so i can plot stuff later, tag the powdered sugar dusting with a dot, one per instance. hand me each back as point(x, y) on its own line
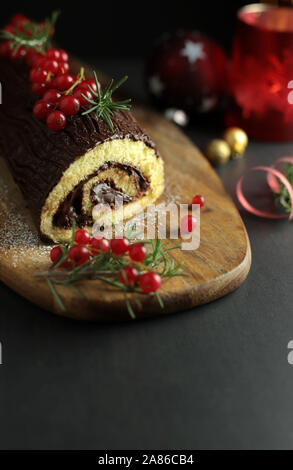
point(18, 235)
point(172, 193)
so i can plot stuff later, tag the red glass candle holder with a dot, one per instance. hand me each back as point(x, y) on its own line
point(262, 73)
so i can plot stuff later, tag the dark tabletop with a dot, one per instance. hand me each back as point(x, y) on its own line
point(216, 377)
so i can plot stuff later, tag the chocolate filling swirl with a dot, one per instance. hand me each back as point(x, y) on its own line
point(104, 191)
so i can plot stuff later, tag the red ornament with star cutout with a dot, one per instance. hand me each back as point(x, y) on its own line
point(187, 70)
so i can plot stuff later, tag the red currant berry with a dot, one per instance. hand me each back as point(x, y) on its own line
point(63, 82)
point(52, 96)
point(39, 89)
point(63, 67)
point(42, 109)
point(89, 82)
point(51, 65)
point(128, 275)
point(69, 105)
point(56, 121)
point(188, 223)
point(198, 199)
point(40, 62)
point(55, 253)
point(63, 56)
point(137, 252)
point(99, 244)
point(53, 54)
point(38, 75)
point(119, 246)
point(10, 28)
point(19, 18)
point(82, 237)
point(50, 82)
point(31, 57)
point(79, 254)
point(78, 92)
point(19, 54)
point(5, 49)
point(150, 282)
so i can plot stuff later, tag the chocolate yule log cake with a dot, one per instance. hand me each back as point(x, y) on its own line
point(68, 145)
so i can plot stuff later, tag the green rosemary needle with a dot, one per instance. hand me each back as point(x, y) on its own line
point(103, 104)
point(282, 198)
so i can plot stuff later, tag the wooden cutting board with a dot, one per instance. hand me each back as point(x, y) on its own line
point(217, 267)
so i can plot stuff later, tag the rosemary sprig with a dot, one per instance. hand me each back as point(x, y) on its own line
point(282, 198)
point(103, 104)
point(30, 34)
point(105, 267)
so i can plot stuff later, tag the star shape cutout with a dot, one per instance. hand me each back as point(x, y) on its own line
point(156, 85)
point(193, 51)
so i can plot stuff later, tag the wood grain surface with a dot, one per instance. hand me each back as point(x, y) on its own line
point(217, 267)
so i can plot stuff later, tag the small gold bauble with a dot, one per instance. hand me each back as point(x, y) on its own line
point(237, 140)
point(218, 151)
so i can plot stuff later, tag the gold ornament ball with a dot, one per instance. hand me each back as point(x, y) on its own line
point(237, 140)
point(218, 151)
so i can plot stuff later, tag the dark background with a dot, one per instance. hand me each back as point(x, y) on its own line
point(216, 377)
point(127, 29)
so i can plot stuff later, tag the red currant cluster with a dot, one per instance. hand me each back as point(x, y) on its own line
point(60, 92)
point(19, 24)
point(56, 103)
point(80, 252)
point(85, 247)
